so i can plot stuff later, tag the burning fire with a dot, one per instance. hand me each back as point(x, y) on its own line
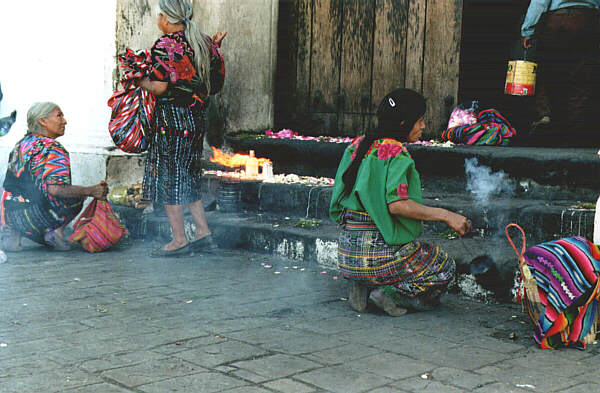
point(233, 161)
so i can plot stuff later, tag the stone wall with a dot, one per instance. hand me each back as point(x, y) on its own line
point(249, 50)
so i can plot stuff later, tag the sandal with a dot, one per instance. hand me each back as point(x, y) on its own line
point(359, 295)
point(53, 241)
point(385, 303)
point(183, 251)
point(204, 244)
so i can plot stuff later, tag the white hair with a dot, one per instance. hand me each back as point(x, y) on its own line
point(180, 12)
point(37, 111)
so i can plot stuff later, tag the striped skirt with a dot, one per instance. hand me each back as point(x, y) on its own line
point(413, 269)
point(173, 169)
point(34, 220)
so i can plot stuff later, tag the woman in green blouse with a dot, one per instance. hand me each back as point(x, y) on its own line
point(377, 200)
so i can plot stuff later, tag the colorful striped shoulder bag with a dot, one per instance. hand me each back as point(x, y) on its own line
point(98, 228)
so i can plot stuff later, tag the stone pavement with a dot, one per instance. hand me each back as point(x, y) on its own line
point(122, 322)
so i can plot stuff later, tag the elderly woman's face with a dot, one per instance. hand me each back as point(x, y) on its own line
point(417, 130)
point(53, 126)
point(162, 23)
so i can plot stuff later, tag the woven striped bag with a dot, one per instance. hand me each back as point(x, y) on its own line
point(98, 228)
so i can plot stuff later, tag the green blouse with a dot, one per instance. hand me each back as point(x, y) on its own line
point(386, 174)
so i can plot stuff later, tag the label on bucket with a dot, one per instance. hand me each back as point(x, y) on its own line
point(520, 78)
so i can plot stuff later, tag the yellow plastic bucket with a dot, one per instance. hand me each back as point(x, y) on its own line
point(520, 78)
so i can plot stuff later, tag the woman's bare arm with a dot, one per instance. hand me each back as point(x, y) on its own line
point(98, 191)
point(411, 209)
point(155, 87)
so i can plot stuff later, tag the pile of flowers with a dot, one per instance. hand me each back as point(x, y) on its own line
point(308, 180)
point(279, 179)
point(289, 134)
point(434, 143)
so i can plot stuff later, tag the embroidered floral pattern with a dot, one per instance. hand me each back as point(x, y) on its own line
point(403, 191)
point(183, 69)
point(173, 62)
point(170, 46)
point(386, 151)
point(354, 145)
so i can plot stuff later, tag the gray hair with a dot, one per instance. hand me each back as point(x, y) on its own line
point(37, 111)
point(180, 12)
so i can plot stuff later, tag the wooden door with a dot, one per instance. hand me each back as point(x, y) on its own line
point(342, 56)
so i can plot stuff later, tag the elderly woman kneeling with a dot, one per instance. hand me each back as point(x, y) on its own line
point(38, 200)
point(377, 199)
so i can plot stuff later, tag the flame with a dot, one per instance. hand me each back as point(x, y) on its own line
point(233, 161)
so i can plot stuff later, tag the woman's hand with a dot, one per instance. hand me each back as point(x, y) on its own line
point(154, 87)
point(99, 191)
point(218, 37)
point(457, 222)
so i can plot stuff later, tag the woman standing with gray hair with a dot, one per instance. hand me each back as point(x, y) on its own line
point(187, 68)
point(37, 199)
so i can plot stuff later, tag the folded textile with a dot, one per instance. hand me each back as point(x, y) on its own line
point(132, 107)
point(566, 272)
point(491, 129)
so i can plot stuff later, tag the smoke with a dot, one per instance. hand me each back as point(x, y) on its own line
point(484, 183)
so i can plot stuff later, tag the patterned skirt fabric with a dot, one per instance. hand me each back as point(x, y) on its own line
point(34, 220)
point(566, 272)
point(173, 168)
point(414, 269)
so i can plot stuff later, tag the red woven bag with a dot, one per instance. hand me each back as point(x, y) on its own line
point(98, 228)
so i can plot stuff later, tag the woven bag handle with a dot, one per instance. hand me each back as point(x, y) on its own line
point(521, 259)
point(523, 245)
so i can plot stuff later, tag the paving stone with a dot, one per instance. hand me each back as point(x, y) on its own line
point(342, 379)
point(48, 382)
point(206, 382)
point(501, 388)
point(250, 376)
point(419, 385)
point(286, 385)
point(20, 367)
point(390, 365)
point(225, 352)
point(241, 311)
point(515, 372)
point(246, 389)
point(119, 360)
point(304, 343)
point(342, 354)
point(224, 369)
point(184, 345)
point(276, 366)
point(388, 389)
point(28, 348)
point(461, 378)
point(583, 388)
point(152, 371)
point(98, 388)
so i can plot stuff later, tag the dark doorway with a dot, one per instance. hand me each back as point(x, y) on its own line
point(490, 38)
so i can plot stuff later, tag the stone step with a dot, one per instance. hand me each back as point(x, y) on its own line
point(540, 218)
point(562, 173)
point(274, 234)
